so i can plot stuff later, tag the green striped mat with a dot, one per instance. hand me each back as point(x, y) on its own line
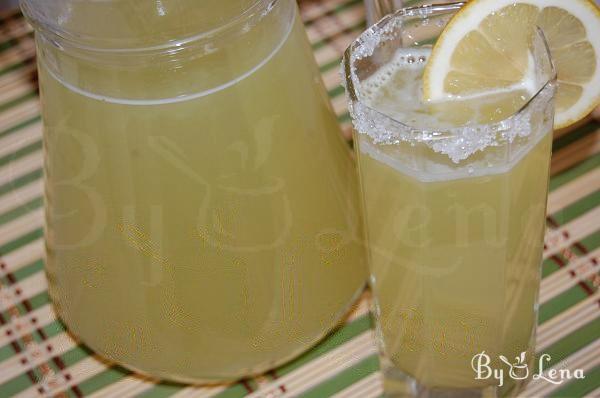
point(38, 358)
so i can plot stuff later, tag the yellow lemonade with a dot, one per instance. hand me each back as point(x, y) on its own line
point(201, 210)
point(455, 246)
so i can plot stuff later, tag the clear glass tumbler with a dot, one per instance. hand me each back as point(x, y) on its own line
point(454, 217)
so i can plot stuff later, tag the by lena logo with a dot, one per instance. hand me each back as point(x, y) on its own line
point(519, 369)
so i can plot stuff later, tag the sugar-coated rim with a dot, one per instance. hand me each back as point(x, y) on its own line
point(368, 41)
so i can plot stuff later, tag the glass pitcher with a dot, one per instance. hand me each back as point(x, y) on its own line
point(201, 206)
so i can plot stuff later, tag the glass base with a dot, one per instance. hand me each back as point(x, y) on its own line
point(397, 384)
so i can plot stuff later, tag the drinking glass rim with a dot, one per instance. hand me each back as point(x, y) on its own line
point(436, 133)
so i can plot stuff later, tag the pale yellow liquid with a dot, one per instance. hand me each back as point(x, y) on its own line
point(455, 259)
point(206, 238)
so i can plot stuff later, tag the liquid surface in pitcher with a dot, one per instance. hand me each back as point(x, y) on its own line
point(455, 251)
point(202, 236)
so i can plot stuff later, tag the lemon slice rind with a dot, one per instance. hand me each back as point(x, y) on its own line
point(472, 15)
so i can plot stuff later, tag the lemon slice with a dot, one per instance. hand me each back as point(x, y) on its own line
point(485, 47)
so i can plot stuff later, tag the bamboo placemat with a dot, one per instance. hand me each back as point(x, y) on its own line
point(38, 358)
